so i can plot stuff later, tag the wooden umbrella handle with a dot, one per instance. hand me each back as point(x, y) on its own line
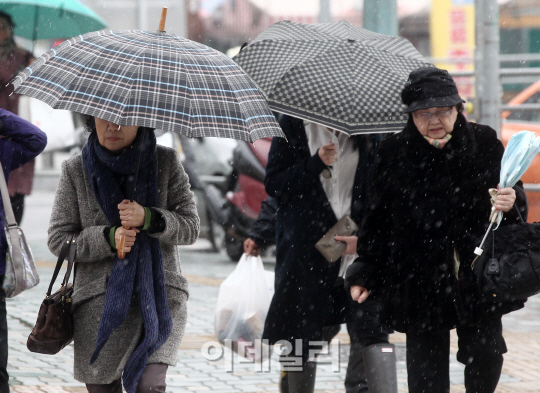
point(120, 252)
point(163, 19)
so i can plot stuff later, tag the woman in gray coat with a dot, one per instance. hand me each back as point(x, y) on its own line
point(129, 314)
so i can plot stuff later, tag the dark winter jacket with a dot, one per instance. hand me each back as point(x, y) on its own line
point(307, 296)
point(20, 141)
point(263, 231)
point(428, 205)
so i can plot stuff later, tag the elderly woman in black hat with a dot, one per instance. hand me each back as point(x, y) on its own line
point(430, 206)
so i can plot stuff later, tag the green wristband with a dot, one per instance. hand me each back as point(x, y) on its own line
point(147, 219)
point(112, 232)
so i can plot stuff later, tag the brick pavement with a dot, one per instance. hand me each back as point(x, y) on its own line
point(41, 373)
point(35, 372)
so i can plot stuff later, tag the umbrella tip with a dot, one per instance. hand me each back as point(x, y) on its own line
point(163, 19)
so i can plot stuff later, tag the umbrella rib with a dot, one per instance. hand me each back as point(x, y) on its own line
point(167, 84)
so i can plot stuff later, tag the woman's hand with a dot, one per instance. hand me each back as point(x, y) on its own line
point(351, 242)
point(359, 294)
point(129, 235)
point(251, 248)
point(131, 214)
point(328, 154)
point(505, 199)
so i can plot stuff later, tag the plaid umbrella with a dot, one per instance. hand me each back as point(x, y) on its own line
point(334, 74)
point(150, 79)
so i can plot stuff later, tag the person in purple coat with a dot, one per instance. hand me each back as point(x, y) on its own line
point(13, 60)
point(20, 141)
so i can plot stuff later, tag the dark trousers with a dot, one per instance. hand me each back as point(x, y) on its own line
point(480, 349)
point(4, 377)
point(364, 331)
point(17, 204)
point(152, 381)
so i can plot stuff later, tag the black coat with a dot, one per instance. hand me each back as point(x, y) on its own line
point(428, 203)
point(263, 231)
point(307, 297)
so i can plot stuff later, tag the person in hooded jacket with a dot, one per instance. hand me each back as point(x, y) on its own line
point(430, 207)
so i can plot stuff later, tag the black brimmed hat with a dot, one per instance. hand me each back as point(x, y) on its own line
point(429, 87)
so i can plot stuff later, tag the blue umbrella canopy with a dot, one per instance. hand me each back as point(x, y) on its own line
point(518, 156)
point(48, 19)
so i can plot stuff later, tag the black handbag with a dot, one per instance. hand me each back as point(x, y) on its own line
point(54, 325)
point(510, 271)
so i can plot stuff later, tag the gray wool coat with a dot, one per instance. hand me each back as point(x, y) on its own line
point(76, 209)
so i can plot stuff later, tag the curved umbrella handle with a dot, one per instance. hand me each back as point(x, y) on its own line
point(121, 254)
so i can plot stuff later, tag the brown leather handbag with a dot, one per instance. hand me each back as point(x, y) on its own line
point(54, 326)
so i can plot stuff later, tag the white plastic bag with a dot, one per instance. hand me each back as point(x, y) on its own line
point(243, 302)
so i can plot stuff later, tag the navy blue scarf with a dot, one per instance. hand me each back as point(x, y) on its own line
point(142, 268)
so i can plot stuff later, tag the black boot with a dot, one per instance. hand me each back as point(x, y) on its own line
point(303, 381)
point(283, 382)
point(482, 375)
point(380, 368)
point(355, 379)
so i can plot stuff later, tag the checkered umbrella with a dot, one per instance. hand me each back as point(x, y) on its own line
point(334, 74)
point(150, 79)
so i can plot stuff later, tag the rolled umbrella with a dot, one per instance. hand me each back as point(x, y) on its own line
point(47, 19)
point(518, 156)
point(334, 74)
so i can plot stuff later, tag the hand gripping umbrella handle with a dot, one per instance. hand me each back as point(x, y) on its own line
point(120, 252)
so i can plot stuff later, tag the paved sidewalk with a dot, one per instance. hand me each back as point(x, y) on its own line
point(205, 271)
point(34, 372)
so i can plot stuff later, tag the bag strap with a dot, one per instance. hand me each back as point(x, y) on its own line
point(12, 227)
point(71, 258)
point(68, 250)
point(518, 212)
point(8, 210)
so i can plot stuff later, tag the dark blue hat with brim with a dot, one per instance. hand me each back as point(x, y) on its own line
point(429, 87)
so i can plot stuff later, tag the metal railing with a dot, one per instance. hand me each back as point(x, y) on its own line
point(504, 72)
point(507, 75)
point(521, 107)
point(503, 58)
point(531, 187)
point(524, 75)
